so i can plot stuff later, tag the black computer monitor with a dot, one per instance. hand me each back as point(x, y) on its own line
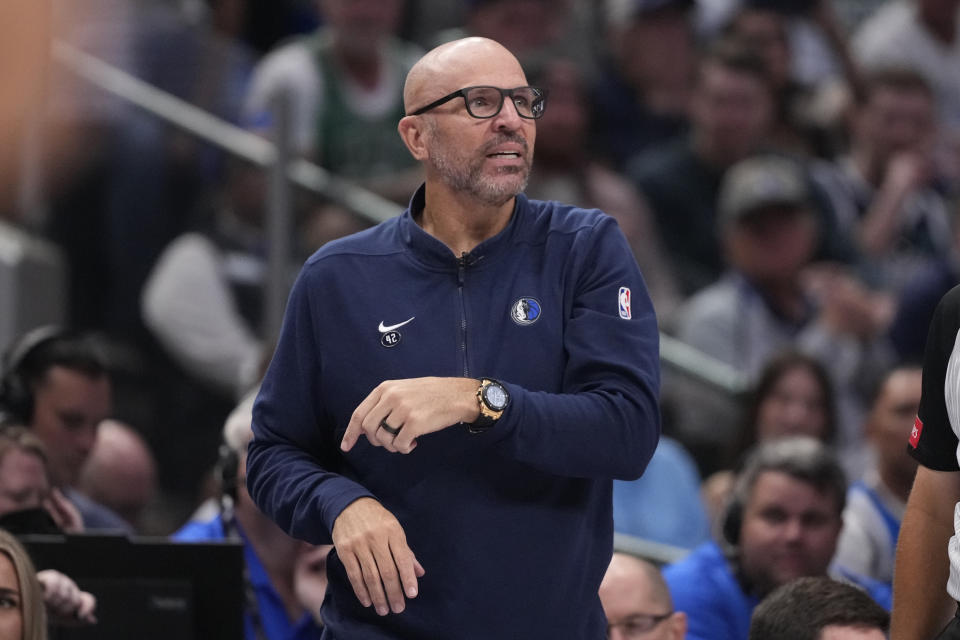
point(149, 588)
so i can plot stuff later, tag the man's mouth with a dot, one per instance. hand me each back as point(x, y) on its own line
point(504, 154)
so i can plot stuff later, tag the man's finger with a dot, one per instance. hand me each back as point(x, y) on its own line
point(407, 567)
point(371, 578)
point(390, 579)
point(356, 578)
point(355, 426)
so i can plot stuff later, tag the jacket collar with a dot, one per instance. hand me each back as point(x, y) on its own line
point(432, 253)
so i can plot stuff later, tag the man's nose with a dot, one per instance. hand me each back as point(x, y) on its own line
point(793, 530)
point(509, 117)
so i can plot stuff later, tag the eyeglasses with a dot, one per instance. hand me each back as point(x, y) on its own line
point(638, 624)
point(486, 102)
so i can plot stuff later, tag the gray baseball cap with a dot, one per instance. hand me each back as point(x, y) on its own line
point(760, 182)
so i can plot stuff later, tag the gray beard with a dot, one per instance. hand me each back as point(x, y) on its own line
point(470, 179)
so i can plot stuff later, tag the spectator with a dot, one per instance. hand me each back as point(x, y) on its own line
point(22, 617)
point(782, 523)
point(731, 115)
point(929, 527)
point(921, 35)
point(793, 396)
point(818, 609)
point(28, 502)
point(57, 383)
point(771, 299)
point(875, 503)
point(637, 602)
point(884, 194)
point(29, 505)
point(120, 473)
point(642, 94)
point(344, 84)
point(533, 30)
point(203, 302)
point(816, 37)
point(808, 117)
point(274, 560)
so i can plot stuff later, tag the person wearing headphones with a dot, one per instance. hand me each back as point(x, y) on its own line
point(782, 522)
point(57, 383)
point(285, 579)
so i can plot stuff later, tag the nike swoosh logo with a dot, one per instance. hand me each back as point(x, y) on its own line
point(385, 329)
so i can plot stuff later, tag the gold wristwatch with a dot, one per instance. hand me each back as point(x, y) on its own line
point(493, 399)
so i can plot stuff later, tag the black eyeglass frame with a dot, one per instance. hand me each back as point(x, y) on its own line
point(654, 620)
point(541, 98)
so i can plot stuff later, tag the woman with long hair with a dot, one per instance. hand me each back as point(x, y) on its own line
point(22, 614)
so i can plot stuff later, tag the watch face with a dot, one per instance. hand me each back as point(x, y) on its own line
point(496, 397)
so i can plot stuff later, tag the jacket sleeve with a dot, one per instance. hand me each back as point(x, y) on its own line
point(606, 421)
point(292, 459)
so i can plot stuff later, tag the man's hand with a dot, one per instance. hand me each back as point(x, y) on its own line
point(373, 548)
point(411, 408)
point(64, 600)
point(64, 513)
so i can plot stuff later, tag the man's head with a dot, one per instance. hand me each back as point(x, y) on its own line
point(361, 27)
point(653, 43)
point(481, 158)
point(732, 104)
point(637, 602)
point(525, 27)
point(888, 425)
point(564, 127)
point(121, 472)
point(57, 384)
point(24, 481)
point(895, 114)
point(768, 228)
point(818, 608)
point(763, 30)
point(784, 516)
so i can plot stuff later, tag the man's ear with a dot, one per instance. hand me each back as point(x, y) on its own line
point(678, 625)
point(413, 132)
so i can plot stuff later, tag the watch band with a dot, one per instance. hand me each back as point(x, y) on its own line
point(488, 414)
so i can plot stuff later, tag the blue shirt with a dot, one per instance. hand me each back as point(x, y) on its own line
point(704, 587)
point(513, 526)
point(664, 504)
point(272, 613)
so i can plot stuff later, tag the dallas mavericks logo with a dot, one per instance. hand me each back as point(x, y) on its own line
point(525, 311)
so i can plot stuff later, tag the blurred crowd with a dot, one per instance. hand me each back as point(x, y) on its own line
point(786, 171)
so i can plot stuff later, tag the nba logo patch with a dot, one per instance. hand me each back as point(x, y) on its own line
point(624, 303)
point(915, 432)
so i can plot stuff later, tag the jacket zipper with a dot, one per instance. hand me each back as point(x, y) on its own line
point(462, 263)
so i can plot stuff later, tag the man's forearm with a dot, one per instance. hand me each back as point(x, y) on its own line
point(921, 605)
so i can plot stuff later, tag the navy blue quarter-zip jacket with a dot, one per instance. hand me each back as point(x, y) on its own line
point(514, 525)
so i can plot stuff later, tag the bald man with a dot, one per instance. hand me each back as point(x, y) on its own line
point(454, 390)
point(637, 602)
point(121, 472)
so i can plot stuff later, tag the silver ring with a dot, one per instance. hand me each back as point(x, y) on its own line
point(391, 430)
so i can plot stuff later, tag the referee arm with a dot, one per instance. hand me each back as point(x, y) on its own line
point(921, 605)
